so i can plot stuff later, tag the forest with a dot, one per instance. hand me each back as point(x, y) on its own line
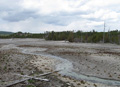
point(85, 37)
point(71, 36)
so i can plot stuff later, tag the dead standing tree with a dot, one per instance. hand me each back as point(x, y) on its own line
point(109, 35)
point(81, 37)
point(118, 37)
point(104, 33)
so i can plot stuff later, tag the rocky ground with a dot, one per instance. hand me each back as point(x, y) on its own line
point(18, 56)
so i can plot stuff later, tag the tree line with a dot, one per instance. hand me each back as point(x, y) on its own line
point(23, 35)
point(85, 37)
point(71, 36)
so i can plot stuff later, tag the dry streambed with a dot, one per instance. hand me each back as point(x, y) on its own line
point(15, 63)
point(75, 61)
point(67, 67)
point(98, 63)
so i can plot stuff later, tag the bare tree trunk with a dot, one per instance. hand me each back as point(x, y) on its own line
point(81, 36)
point(104, 33)
point(109, 36)
point(118, 38)
point(26, 77)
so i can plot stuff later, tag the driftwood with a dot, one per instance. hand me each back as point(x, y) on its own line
point(15, 82)
point(49, 73)
point(26, 77)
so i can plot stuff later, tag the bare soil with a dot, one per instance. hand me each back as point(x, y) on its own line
point(99, 60)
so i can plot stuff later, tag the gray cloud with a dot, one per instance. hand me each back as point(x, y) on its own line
point(32, 14)
point(19, 16)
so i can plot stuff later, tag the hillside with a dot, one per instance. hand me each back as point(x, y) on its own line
point(5, 32)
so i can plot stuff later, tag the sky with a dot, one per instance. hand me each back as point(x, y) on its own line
point(37, 16)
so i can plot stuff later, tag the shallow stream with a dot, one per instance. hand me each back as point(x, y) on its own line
point(66, 68)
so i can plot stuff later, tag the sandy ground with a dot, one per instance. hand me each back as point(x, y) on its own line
point(28, 57)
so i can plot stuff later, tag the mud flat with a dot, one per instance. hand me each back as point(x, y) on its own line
point(80, 65)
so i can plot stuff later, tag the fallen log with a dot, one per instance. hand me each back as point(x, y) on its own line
point(26, 77)
point(16, 82)
point(19, 81)
point(44, 74)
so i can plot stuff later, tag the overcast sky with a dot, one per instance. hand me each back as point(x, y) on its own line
point(59, 15)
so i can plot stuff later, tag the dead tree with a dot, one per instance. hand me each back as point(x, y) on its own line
point(104, 33)
point(118, 38)
point(109, 35)
point(81, 37)
point(26, 77)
